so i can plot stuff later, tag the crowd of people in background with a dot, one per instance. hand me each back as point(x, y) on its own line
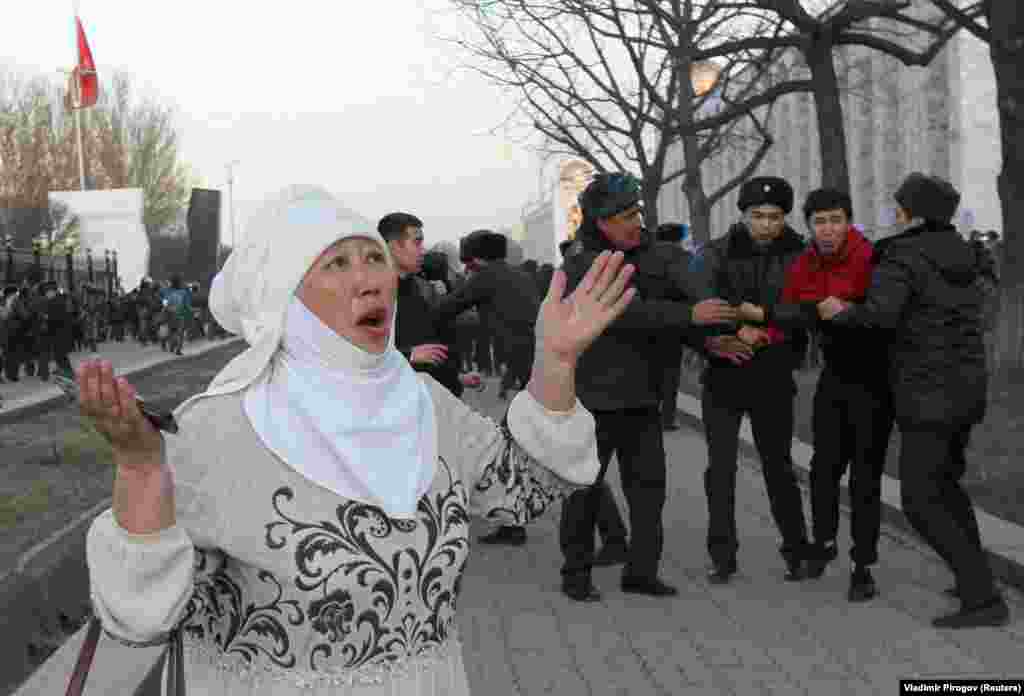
point(42, 323)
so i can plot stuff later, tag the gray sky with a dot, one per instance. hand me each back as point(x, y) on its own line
point(359, 97)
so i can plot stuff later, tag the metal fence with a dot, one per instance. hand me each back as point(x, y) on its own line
point(71, 270)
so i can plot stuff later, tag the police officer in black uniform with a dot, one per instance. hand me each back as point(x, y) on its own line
point(619, 380)
point(749, 264)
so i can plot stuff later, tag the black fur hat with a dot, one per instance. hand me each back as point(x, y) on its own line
point(491, 246)
point(766, 190)
point(928, 197)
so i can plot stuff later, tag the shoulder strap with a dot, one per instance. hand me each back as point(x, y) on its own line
point(170, 666)
point(88, 651)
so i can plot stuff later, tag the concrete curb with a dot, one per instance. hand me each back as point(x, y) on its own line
point(1004, 540)
point(34, 405)
point(46, 594)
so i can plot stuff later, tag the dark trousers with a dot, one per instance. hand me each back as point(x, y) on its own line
point(517, 355)
point(932, 462)
point(634, 436)
point(482, 354)
point(670, 383)
point(852, 422)
point(53, 348)
point(770, 408)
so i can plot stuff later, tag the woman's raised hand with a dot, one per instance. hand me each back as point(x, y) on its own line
point(109, 402)
point(568, 325)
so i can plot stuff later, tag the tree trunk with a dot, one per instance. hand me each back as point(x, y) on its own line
point(835, 171)
point(1007, 50)
point(696, 198)
point(650, 196)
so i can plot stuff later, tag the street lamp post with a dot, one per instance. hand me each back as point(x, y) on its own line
point(230, 166)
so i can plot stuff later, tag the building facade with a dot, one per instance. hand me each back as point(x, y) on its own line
point(941, 120)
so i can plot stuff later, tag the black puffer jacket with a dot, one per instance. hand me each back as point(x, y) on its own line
point(623, 368)
point(929, 288)
point(739, 271)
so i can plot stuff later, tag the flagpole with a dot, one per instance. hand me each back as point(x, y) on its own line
point(78, 95)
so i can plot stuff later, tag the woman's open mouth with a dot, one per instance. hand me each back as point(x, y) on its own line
point(375, 321)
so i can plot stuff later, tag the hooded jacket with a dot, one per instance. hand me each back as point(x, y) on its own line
point(623, 368)
point(928, 288)
point(853, 353)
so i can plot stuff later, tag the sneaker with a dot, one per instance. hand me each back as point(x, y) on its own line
point(580, 591)
point(611, 554)
point(862, 585)
point(819, 557)
point(720, 573)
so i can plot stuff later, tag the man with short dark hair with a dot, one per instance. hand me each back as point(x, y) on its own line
point(419, 330)
point(852, 418)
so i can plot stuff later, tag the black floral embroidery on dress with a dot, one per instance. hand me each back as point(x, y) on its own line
point(332, 615)
point(423, 575)
point(217, 608)
point(515, 488)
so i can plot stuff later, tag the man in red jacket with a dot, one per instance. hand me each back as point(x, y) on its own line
point(853, 415)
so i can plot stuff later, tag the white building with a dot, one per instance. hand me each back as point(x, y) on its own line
point(940, 120)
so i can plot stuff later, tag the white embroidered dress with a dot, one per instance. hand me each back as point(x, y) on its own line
point(284, 588)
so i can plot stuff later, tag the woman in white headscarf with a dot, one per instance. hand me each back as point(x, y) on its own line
point(308, 526)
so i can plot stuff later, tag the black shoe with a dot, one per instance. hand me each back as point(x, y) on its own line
point(611, 554)
point(648, 586)
point(508, 536)
point(819, 556)
point(580, 591)
point(795, 570)
point(994, 612)
point(862, 585)
point(720, 573)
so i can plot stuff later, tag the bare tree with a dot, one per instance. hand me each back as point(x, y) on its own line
point(598, 81)
point(1000, 23)
point(129, 142)
point(889, 26)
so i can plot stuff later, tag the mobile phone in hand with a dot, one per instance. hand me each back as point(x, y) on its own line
point(161, 420)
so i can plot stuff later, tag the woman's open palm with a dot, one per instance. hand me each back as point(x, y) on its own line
point(568, 325)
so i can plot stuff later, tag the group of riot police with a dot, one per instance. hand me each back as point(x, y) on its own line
point(41, 324)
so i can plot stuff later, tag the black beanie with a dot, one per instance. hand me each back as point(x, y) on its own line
point(766, 190)
point(608, 195)
point(928, 197)
point(828, 199)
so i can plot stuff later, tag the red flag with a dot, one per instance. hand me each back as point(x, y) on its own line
point(85, 72)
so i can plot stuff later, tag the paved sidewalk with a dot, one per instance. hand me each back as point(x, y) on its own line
point(759, 635)
point(127, 357)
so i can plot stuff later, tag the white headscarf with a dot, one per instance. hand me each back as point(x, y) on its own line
point(359, 424)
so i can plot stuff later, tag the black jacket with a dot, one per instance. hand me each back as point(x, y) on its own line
point(738, 270)
point(929, 289)
point(417, 323)
point(506, 298)
point(623, 368)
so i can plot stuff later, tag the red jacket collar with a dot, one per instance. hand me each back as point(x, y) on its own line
point(855, 241)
